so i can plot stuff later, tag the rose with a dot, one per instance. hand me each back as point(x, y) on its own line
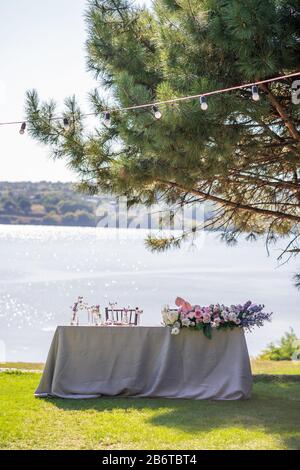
point(169, 317)
point(164, 314)
point(206, 318)
point(198, 314)
point(173, 317)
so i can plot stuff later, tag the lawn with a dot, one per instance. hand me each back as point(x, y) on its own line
point(269, 420)
point(275, 367)
point(22, 365)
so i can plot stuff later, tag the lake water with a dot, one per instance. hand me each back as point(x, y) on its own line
point(44, 269)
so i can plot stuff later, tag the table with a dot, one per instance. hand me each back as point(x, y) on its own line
point(89, 362)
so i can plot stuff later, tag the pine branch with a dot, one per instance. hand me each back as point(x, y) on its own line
point(235, 205)
point(279, 108)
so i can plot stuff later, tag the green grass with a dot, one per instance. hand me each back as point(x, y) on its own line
point(258, 367)
point(269, 420)
point(22, 365)
point(275, 367)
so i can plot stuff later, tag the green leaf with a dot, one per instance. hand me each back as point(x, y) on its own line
point(207, 331)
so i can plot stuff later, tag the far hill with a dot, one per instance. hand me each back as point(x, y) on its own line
point(45, 203)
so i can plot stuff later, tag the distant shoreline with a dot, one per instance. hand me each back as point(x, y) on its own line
point(40, 224)
point(44, 203)
point(59, 204)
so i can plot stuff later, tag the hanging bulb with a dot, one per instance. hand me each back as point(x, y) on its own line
point(107, 118)
point(157, 113)
point(203, 103)
point(255, 95)
point(22, 129)
point(66, 123)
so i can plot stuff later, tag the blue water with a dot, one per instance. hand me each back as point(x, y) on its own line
point(44, 269)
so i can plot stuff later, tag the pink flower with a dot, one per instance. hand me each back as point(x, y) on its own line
point(198, 314)
point(216, 309)
point(206, 318)
point(183, 304)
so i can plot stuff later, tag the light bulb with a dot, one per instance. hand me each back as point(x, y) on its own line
point(157, 113)
point(66, 123)
point(203, 103)
point(255, 95)
point(22, 129)
point(107, 118)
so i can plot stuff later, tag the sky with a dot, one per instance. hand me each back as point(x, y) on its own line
point(42, 46)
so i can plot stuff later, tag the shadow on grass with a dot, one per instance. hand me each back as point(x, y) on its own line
point(273, 409)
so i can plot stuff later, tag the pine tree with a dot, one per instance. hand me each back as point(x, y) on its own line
point(241, 155)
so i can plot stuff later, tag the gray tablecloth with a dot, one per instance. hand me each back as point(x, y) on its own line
point(88, 362)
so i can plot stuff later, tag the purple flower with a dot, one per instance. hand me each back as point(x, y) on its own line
point(255, 308)
point(247, 305)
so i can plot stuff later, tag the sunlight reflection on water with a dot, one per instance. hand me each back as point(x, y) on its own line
point(44, 269)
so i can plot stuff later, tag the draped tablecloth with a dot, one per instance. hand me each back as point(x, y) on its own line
point(89, 362)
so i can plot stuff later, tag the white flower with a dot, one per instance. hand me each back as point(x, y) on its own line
point(232, 316)
point(185, 322)
point(216, 322)
point(169, 316)
point(173, 317)
point(164, 314)
point(175, 330)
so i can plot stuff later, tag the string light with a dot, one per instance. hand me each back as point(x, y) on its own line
point(203, 103)
point(255, 95)
point(157, 113)
point(107, 118)
point(22, 128)
point(66, 123)
point(154, 105)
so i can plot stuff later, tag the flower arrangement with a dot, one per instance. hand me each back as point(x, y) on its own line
point(78, 306)
point(93, 312)
point(215, 316)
